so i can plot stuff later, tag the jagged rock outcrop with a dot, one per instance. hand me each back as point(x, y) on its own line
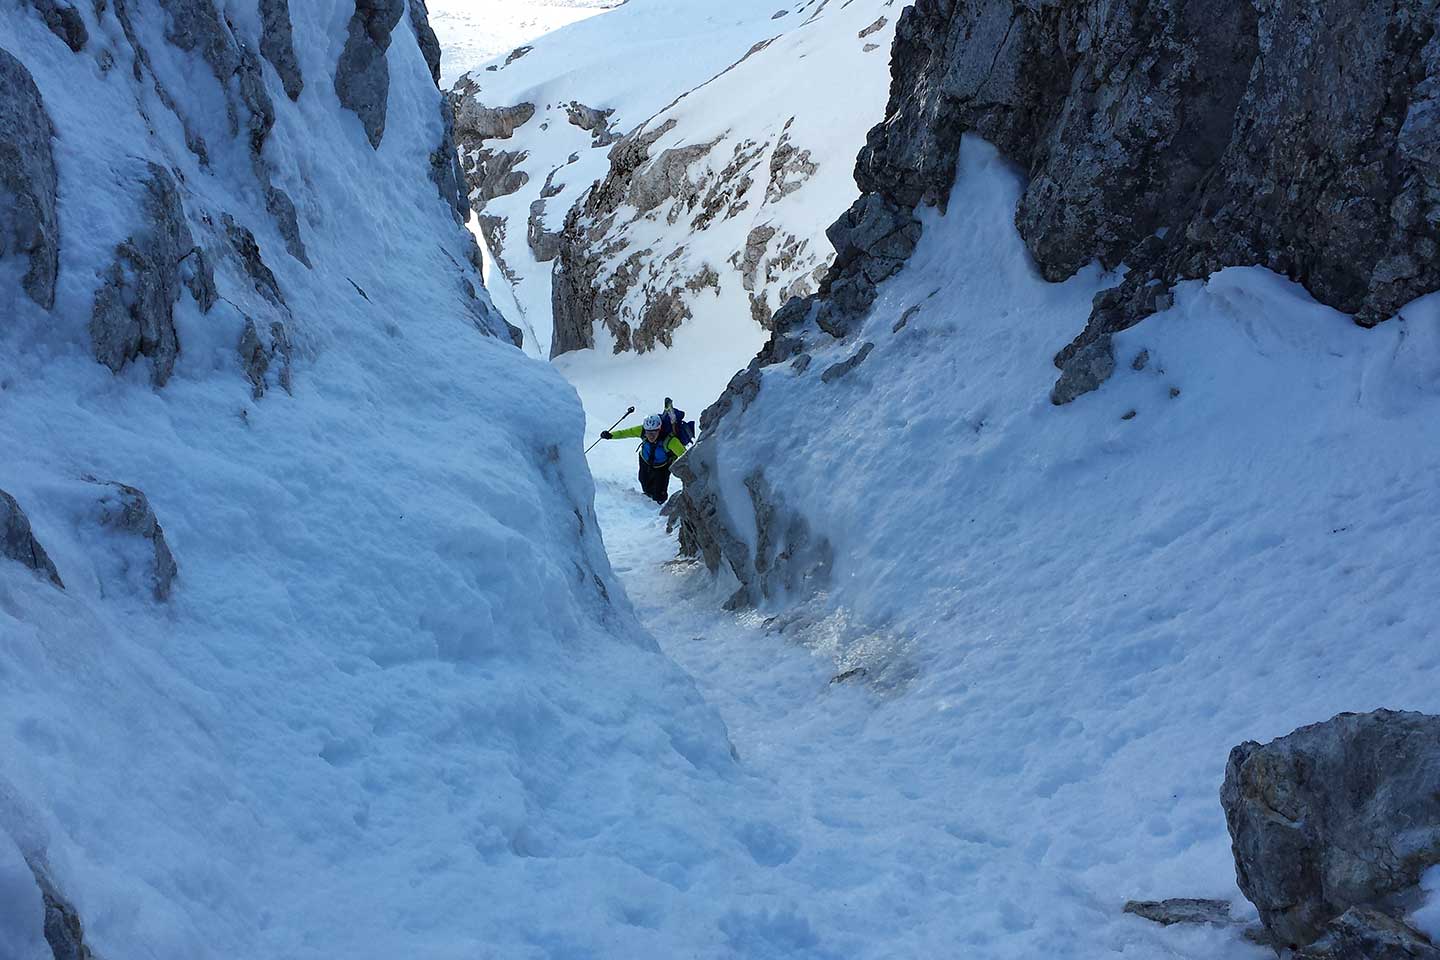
point(262, 351)
point(1177, 137)
point(446, 171)
point(64, 21)
point(127, 511)
point(1334, 816)
point(17, 541)
point(493, 173)
point(277, 45)
point(243, 242)
point(64, 933)
point(1364, 934)
point(475, 123)
point(134, 310)
point(196, 27)
point(362, 77)
point(425, 37)
point(593, 121)
point(786, 555)
point(29, 226)
point(485, 172)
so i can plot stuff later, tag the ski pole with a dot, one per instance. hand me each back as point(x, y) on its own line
point(611, 427)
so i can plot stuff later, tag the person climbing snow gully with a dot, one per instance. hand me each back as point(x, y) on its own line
point(664, 438)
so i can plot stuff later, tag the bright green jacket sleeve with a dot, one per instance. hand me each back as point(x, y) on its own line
point(672, 442)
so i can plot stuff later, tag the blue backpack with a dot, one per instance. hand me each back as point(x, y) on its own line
point(673, 422)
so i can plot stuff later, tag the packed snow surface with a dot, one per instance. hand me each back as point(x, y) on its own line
point(400, 704)
point(1066, 616)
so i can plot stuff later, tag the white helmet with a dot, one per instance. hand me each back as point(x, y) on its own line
point(652, 422)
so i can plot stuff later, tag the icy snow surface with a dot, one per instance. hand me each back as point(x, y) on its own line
point(1067, 617)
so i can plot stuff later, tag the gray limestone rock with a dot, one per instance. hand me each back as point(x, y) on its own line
point(262, 352)
point(786, 558)
point(666, 177)
point(277, 45)
point(1365, 934)
point(446, 171)
point(362, 77)
point(544, 244)
point(248, 250)
point(476, 123)
point(126, 510)
point(595, 122)
point(838, 370)
point(425, 36)
point(17, 542)
point(64, 21)
point(1182, 910)
point(495, 174)
point(1336, 815)
point(790, 167)
point(1089, 367)
point(134, 308)
point(29, 225)
point(64, 933)
point(282, 209)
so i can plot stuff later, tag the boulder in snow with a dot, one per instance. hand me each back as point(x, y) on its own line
point(17, 542)
point(127, 511)
point(1182, 910)
point(1336, 815)
point(134, 310)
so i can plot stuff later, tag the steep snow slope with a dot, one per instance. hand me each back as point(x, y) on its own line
point(737, 151)
point(476, 31)
point(394, 703)
point(1068, 615)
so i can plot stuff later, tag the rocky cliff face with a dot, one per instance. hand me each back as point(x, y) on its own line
point(1175, 138)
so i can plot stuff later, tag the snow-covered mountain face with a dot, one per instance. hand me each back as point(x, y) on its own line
point(671, 168)
point(309, 646)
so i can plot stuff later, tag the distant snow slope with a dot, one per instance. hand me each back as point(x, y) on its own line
point(743, 122)
point(475, 31)
point(396, 704)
